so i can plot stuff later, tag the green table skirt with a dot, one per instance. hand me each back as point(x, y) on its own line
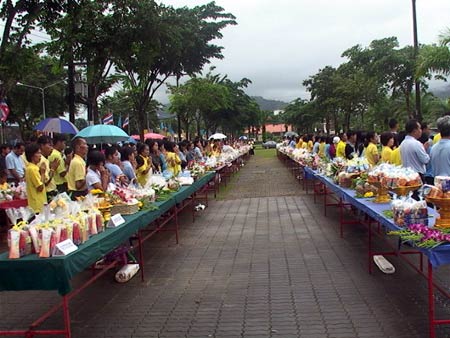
point(55, 273)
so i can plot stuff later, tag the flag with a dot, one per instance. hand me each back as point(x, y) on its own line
point(126, 122)
point(4, 110)
point(108, 119)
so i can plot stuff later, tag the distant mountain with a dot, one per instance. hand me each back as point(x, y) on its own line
point(271, 105)
point(443, 92)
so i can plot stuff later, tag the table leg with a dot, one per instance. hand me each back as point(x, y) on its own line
point(431, 301)
point(66, 316)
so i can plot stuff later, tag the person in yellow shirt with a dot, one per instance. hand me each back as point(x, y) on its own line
point(299, 143)
point(173, 161)
point(371, 152)
point(45, 143)
point(387, 140)
point(59, 144)
point(437, 138)
point(322, 145)
point(76, 175)
point(340, 149)
point(143, 164)
point(34, 178)
point(396, 157)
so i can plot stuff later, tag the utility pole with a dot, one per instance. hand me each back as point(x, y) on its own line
point(416, 53)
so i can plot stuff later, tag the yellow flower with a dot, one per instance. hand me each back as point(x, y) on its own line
point(368, 194)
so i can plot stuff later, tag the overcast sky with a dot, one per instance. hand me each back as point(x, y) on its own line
point(279, 43)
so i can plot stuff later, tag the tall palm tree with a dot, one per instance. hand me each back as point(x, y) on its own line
point(436, 58)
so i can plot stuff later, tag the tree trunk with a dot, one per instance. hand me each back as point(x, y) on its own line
point(179, 125)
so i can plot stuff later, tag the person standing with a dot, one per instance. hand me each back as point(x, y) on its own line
point(340, 148)
point(393, 129)
point(350, 147)
point(440, 152)
point(15, 164)
point(387, 140)
point(45, 144)
point(371, 151)
point(59, 144)
point(5, 150)
point(413, 153)
point(143, 164)
point(76, 175)
point(34, 177)
point(97, 176)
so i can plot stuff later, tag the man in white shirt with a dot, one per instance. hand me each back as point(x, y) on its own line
point(14, 163)
point(413, 152)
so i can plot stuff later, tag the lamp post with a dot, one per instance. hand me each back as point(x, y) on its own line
point(42, 89)
point(416, 52)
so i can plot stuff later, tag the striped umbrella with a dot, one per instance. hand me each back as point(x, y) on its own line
point(56, 125)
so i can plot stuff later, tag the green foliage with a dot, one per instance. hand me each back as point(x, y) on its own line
point(214, 102)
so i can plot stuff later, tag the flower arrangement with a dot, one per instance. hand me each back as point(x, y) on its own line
point(422, 236)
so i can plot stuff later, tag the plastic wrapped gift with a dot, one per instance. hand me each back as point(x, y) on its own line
point(443, 183)
point(408, 211)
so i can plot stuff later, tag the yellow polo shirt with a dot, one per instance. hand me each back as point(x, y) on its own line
point(437, 138)
point(36, 199)
point(51, 186)
point(370, 153)
point(340, 149)
point(396, 157)
point(56, 155)
point(173, 163)
point(77, 172)
point(141, 172)
point(386, 154)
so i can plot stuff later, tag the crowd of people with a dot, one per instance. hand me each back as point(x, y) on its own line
point(412, 147)
point(47, 166)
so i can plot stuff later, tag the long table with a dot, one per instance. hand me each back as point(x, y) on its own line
point(55, 273)
point(436, 257)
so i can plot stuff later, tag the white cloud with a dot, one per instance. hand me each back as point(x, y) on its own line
point(278, 44)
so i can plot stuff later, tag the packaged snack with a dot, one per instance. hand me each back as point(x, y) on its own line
point(13, 241)
point(34, 239)
point(76, 233)
point(46, 236)
point(100, 222)
point(25, 243)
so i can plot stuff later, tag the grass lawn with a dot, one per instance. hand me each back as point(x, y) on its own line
point(265, 153)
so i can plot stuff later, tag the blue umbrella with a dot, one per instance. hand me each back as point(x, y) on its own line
point(56, 125)
point(103, 133)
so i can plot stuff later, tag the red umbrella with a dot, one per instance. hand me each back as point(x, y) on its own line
point(153, 136)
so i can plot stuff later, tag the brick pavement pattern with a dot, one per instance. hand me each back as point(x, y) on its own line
point(263, 262)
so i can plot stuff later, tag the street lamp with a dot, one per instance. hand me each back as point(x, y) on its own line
point(42, 89)
point(416, 52)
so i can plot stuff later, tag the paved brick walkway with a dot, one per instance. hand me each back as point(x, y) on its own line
point(263, 262)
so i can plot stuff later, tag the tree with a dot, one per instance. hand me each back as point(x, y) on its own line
point(26, 103)
point(435, 58)
point(20, 18)
point(92, 42)
point(164, 42)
